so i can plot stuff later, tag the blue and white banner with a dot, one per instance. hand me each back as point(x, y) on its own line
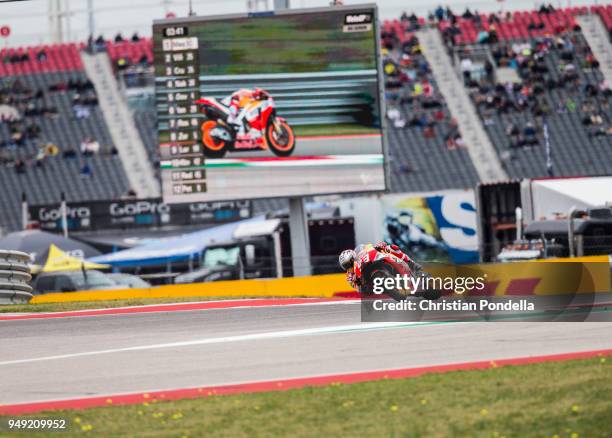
point(437, 227)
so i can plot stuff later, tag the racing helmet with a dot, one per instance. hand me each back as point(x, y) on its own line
point(346, 259)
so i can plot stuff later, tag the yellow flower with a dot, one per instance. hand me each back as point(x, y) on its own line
point(86, 427)
point(140, 413)
point(574, 435)
point(602, 360)
point(575, 409)
point(177, 416)
point(484, 411)
point(394, 408)
point(77, 420)
point(145, 404)
point(423, 401)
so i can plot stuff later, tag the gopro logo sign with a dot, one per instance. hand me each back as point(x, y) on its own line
point(358, 22)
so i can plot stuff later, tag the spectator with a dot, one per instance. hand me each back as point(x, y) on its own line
point(439, 13)
point(20, 167)
point(144, 61)
point(89, 147)
point(119, 38)
point(122, 63)
point(596, 119)
point(81, 111)
point(466, 69)
point(482, 37)
point(488, 66)
point(135, 37)
point(130, 194)
point(512, 130)
point(418, 89)
point(100, 44)
point(51, 150)
point(69, 154)
point(86, 171)
point(529, 130)
point(467, 14)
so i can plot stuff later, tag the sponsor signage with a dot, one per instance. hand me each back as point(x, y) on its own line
point(142, 213)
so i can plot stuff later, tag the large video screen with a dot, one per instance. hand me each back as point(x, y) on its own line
point(283, 104)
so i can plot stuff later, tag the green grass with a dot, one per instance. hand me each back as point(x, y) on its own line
point(82, 305)
point(339, 129)
point(566, 399)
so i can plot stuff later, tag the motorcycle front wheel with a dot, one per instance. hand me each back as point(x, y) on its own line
point(213, 147)
point(280, 137)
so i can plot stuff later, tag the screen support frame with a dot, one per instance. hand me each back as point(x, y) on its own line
point(300, 241)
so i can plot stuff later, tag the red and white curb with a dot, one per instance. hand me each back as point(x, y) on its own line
point(282, 385)
point(175, 307)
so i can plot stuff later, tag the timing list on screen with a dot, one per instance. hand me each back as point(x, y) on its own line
point(181, 152)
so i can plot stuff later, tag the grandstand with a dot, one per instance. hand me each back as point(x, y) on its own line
point(559, 84)
point(54, 138)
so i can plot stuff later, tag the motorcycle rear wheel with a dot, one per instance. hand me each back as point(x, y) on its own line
point(213, 148)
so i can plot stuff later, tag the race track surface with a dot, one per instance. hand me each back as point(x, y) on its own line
point(61, 358)
point(324, 145)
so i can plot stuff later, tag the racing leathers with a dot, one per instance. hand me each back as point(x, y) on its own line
point(392, 249)
point(236, 102)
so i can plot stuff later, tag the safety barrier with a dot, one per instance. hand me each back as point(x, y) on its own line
point(540, 277)
point(548, 277)
point(304, 98)
point(14, 277)
point(313, 286)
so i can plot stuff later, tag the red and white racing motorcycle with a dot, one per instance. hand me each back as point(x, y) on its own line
point(257, 126)
point(371, 264)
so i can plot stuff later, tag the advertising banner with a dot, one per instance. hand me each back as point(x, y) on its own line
point(440, 227)
point(143, 213)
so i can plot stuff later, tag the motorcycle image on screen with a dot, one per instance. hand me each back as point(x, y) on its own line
point(371, 264)
point(246, 120)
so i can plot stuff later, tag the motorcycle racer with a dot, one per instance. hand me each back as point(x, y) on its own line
point(348, 256)
point(237, 101)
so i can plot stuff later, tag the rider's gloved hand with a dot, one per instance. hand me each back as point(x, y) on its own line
point(382, 246)
point(351, 278)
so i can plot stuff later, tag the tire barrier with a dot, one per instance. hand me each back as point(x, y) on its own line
point(14, 277)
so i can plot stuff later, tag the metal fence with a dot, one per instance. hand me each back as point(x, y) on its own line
point(306, 98)
point(14, 277)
